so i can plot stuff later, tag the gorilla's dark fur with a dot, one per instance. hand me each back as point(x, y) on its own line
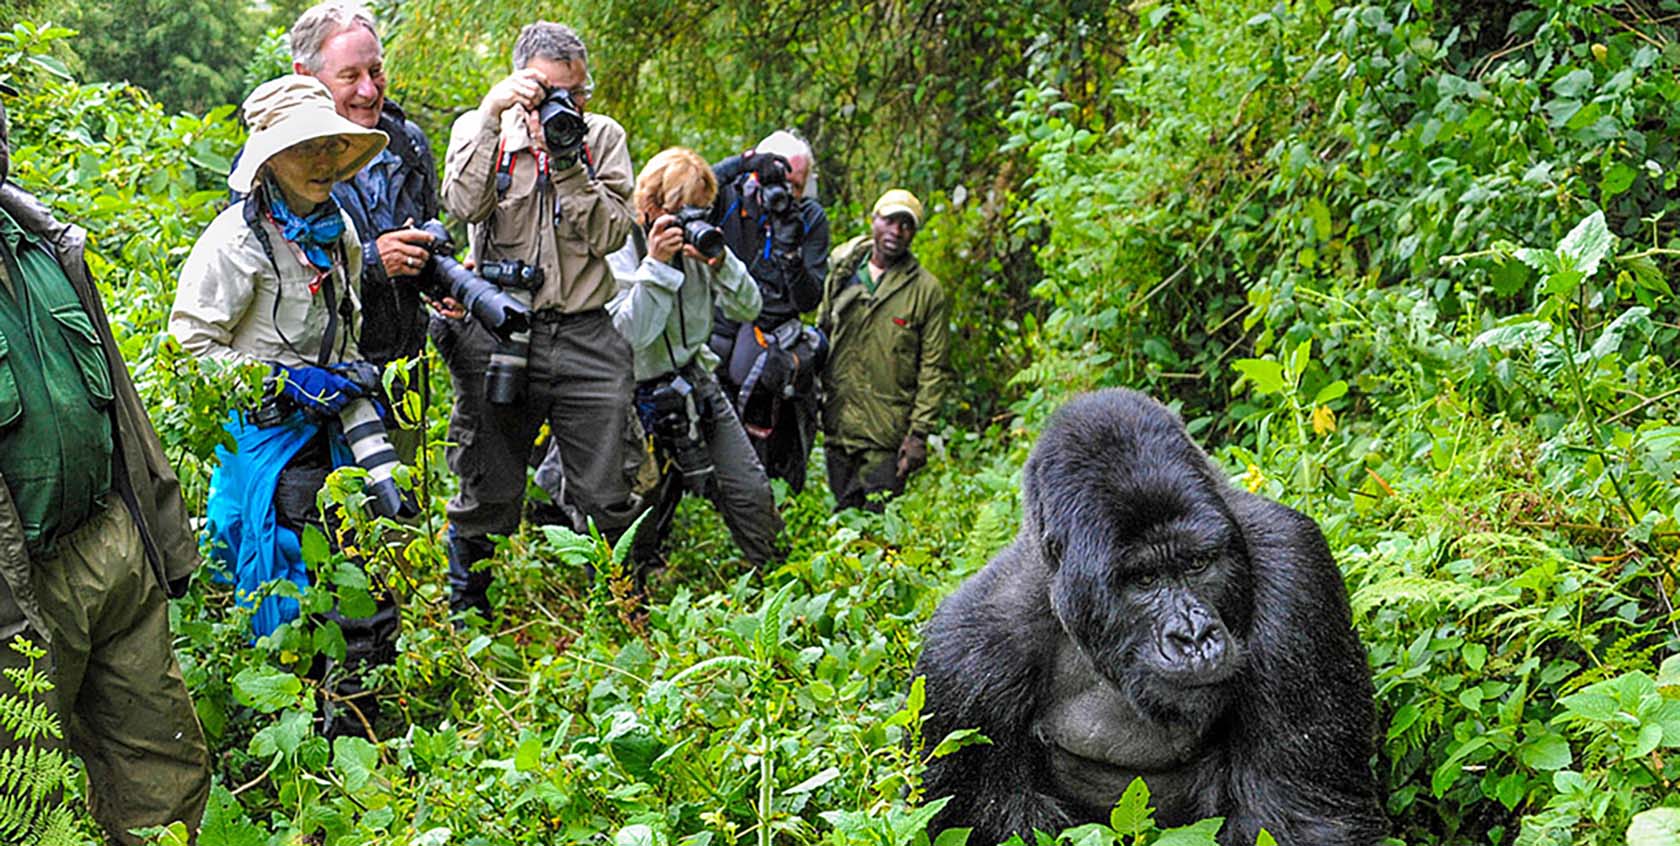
point(1151, 620)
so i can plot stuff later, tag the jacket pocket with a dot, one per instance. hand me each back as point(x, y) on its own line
point(89, 353)
point(11, 405)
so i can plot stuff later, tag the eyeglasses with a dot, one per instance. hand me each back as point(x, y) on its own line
point(584, 91)
point(332, 145)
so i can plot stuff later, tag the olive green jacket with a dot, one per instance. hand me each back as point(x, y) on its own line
point(887, 370)
point(142, 478)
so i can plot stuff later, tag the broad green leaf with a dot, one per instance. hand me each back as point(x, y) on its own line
point(1656, 827)
point(1591, 706)
point(635, 835)
point(959, 739)
point(527, 757)
point(1331, 392)
point(431, 837)
point(1132, 814)
point(226, 824)
point(1587, 244)
point(953, 837)
point(1634, 320)
point(355, 759)
point(1202, 833)
point(1265, 374)
point(265, 688)
point(1548, 752)
point(1668, 675)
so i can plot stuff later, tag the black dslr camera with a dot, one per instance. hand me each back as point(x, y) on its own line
point(676, 426)
point(483, 297)
point(563, 126)
point(698, 230)
point(774, 193)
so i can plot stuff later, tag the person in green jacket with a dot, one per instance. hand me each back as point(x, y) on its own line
point(93, 532)
point(887, 320)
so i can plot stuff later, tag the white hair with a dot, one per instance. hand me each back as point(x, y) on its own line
point(789, 146)
point(321, 22)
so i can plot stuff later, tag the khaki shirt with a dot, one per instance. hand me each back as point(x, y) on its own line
point(569, 237)
point(231, 307)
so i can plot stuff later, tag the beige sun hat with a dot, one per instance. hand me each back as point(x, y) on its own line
point(293, 109)
point(900, 201)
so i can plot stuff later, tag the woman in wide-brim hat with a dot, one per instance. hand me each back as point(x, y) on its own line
point(275, 280)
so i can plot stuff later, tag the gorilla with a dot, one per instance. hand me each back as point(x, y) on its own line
point(1151, 620)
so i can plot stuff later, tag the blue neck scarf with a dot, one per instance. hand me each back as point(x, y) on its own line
point(313, 233)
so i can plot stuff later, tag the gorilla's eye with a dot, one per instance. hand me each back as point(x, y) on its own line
point(1198, 567)
point(1146, 579)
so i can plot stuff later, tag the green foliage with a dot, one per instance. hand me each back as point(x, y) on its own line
point(34, 770)
point(1402, 265)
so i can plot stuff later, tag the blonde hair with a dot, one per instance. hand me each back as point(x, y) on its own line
point(674, 178)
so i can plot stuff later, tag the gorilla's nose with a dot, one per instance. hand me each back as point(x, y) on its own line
point(1194, 640)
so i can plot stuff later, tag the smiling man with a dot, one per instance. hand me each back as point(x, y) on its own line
point(337, 43)
point(887, 320)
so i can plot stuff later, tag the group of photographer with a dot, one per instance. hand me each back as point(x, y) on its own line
point(656, 318)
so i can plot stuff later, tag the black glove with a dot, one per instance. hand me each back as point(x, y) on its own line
point(765, 163)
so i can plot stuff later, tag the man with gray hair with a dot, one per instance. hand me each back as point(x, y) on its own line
point(544, 186)
point(767, 208)
point(337, 43)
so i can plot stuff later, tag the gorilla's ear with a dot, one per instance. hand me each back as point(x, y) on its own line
point(1036, 528)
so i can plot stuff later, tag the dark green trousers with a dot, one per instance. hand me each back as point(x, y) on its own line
point(117, 690)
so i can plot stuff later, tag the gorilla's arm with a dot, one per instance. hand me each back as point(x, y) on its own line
point(1303, 767)
point(983, 657)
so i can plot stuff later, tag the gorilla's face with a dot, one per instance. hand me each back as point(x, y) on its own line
point(1151, 576)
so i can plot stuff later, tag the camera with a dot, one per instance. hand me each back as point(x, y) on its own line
point(774, 194)
point(364, 431)
point(698, 230)
point(563, 126)
point(497, 310)
point(676, 424)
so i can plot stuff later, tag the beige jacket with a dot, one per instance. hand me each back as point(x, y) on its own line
point(570, 246)
point(230, 305)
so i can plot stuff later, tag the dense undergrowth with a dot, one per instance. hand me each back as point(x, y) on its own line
point(1402, 265)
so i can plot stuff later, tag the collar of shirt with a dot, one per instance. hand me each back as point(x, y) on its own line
point(13, 234)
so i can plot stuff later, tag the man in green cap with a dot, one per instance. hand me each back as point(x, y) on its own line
point(887, 320)
point(92, 531)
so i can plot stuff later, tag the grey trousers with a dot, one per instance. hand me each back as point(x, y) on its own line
point(739, 489)
point(578, 381)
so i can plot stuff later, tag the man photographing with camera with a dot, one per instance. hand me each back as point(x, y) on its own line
point(545, 188)
point(668, 285)
point(768, 212)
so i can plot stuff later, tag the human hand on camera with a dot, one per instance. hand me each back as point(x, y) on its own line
point(318, 389)
point(665, 238)
point(912, 455)
point(520, 88)
point(403, 251)
point(767, 163)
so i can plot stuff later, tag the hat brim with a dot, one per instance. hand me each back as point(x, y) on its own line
point(894, 208)
point(265, 144)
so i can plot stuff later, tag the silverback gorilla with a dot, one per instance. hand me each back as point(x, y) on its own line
point(1151, 620)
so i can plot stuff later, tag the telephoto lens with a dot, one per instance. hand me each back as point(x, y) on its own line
point(698, 230)
point(498, 311)
point(365, 433)
point(504, 377)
